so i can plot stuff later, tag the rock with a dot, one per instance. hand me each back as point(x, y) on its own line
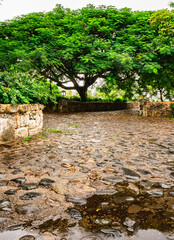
point(2, 175)
point(77, 200)
point(46, 182)
point(3, 183)
point(134, 208)
point(27, 237)
point(172, 175)
point(155, 193)
point(76, 214)
point(5, 205)
point(106, 192)
point(144, 172)
point(112, 233)
point(30, 196)
point(146, 185)
point(28, 186)
point(121, 199)
point(129, 223)
point(166, 185)
point(84, 170)
point(67, 165)
point(172, 194)
point(17, 171)
point(18, 180)
point(27, 209)
point(102, 221)
point(11, 192)
point(112, 179)
point(101, 164)
point(134, 188)
point(130, 174)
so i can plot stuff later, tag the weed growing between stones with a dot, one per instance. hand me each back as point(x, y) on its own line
point(26, 139)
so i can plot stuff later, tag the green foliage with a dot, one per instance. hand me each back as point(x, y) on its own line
point(26, 139)
point(22, 88)
point(128, 50)
point(172, 110)
point(57, 131)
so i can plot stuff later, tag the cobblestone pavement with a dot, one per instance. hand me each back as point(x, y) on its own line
point(90, 176)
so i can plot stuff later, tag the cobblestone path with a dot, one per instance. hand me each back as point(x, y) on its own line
point(90, 176)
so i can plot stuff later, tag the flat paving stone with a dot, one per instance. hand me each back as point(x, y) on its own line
point(30, 196)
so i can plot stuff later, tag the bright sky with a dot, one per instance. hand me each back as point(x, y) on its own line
point(13, 8)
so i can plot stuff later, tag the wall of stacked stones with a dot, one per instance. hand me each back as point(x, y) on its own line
point(20, 121)
point(155, 109)
point(74, 106)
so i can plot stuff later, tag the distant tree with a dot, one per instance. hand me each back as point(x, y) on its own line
point(172, 4)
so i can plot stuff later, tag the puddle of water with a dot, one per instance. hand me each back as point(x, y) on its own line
point(16, 234)
point(122, 215)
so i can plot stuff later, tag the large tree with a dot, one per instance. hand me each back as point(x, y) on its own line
point(75, 48)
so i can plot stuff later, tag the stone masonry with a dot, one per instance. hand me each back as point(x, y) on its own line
point(20, 121)
point(155, 109)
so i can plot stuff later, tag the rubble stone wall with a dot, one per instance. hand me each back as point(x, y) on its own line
point(74, 106)
point(20, 121)
point(155, 109)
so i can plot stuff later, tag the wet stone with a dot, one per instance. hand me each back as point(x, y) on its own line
point(166, 185)
point(67, 165)
point(46, 182)
point(172, 175)
point(144, 172)
point(155, 193)
point(111, 233)
point(17, 171)
point(2, 175)
point(27, 237)
point(101, 164)
point(5, 205)
point(122, 199)
point(130, 174)
point(106, 192)
point(28, 186)
point(19, 180)
point(76, 214)
point(77, 200)
point(112, 179)
point(27, 209)
point(84, 170)
point(146, 185)
point(134, 208)
point(30, 196)
point(3, 183)
point(129, 223)
point(10, 192)
point(102, 221)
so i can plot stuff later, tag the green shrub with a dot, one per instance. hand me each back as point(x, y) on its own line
point(22, 88)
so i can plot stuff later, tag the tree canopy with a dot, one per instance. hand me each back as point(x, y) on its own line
point(74, 48)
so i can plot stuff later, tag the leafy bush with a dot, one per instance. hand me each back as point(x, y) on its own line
point(22, 88)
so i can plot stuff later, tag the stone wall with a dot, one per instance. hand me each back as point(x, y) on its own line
point(74, 106)
point(20, 121)
point(155, 109)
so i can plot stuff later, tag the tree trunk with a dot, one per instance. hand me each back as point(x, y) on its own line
point(161, 95)
point(83, 94)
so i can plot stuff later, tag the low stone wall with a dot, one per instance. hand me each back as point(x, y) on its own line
point(74, 106)
point(20, 121)
point(155, 109)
